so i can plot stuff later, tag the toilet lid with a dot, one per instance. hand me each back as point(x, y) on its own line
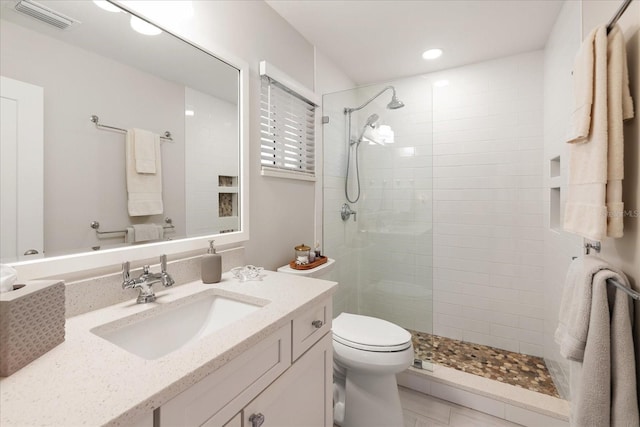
point(369, 333)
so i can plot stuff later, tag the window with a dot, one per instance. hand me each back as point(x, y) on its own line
point(287, 126)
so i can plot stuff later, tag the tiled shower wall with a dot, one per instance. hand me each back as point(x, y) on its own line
point(488, 203)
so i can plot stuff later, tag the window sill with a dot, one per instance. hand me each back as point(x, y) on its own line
point(287, 174)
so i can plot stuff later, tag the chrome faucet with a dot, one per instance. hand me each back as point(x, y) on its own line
point(145, 281)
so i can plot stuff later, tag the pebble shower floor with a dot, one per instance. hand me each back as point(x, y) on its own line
point(517, 369)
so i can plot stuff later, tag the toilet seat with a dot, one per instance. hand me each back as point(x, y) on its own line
point(369, 333)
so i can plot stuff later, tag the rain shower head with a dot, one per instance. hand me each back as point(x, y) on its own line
point(395, 102)
point(393, 105)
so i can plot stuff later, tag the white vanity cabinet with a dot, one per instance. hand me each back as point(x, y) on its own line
point(285, 380)
point(301, 397)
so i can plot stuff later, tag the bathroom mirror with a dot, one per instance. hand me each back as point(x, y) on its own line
point(77, 78)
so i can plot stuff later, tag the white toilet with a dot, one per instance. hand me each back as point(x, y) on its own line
point(367, 354)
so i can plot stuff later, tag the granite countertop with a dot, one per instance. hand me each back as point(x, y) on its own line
point(87, 380)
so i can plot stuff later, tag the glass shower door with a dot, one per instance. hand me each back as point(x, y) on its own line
point(384, 251)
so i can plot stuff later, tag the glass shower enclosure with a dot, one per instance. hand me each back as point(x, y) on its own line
point(378, 164)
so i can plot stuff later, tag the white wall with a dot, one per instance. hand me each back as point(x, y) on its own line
point(488, 249)
point(559, 246)
point(84, 166)
point(211, 151)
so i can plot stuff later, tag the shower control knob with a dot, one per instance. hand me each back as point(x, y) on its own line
point(346, 212)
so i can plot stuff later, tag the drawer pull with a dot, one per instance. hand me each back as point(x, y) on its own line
point(256, 420)
point(317, 324)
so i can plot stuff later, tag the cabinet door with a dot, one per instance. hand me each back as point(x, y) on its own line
point(223, 393)
point(301, 397)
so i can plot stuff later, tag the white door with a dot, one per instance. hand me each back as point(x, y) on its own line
point(21, 179)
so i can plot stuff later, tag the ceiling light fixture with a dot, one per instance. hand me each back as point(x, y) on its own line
point(432, 54)
point(144, 27)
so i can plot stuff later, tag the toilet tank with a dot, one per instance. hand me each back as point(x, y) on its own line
point(320, 272)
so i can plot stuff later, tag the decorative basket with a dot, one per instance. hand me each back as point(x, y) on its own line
point(31, 323)
point(314, 264)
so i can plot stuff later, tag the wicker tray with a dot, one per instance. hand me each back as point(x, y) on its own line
point(314, 264)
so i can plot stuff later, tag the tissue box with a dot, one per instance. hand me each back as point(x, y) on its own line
point(31, 323)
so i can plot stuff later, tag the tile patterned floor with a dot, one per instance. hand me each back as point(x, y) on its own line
point(517, 369)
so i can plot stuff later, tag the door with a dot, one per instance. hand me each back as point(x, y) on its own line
point(21, 179)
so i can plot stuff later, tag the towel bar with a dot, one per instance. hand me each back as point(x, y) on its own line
point(633, 294)
point(613, 282)
point(95, 119)
point(96, 226)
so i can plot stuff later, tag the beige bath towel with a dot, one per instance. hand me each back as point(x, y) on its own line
point(145, 150)
point(595, 332)
point(144, 190)
point(586, 212)
point(619, 108)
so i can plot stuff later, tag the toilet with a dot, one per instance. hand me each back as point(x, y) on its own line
point(367, 353)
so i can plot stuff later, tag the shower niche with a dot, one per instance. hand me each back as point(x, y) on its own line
point(227, 202)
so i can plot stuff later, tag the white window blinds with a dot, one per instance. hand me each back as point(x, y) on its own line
point(287, 131)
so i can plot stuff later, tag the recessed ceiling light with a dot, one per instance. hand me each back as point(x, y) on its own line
point(432, 53)
point(105, 5)
point(144, 27)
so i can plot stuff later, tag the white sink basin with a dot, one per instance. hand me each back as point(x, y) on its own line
point(164, 329)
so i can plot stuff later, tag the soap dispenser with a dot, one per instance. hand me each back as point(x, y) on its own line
point(211, 267)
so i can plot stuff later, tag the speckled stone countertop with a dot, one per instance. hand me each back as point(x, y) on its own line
point(89, 381)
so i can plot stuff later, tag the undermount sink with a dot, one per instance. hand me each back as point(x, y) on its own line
point(169, 327)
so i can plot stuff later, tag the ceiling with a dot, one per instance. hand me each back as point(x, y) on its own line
point(378, 40)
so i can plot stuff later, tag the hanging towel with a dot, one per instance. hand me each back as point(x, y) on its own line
point(595, 333)
point(144, 233)
point(145, 150)
point(619, 108)
point(585, 211)
point(144, 189)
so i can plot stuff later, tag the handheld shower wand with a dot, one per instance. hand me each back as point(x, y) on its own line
point(394, 104)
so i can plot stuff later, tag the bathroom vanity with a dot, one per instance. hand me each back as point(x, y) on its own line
point(271, 365)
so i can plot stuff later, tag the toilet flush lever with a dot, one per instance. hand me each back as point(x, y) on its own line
point(345, 212)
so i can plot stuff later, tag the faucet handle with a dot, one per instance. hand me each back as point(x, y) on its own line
point(163, 263)
point(125, 271)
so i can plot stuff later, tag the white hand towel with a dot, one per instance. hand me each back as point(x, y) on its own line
point(603, 380)
point(575, 307)
point(144, 190)
point(145, 144)
point(145, 232)
point(586, 211)
point(130, 236)
point(619, 108)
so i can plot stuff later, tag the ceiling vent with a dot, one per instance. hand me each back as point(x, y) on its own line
point(44, 14)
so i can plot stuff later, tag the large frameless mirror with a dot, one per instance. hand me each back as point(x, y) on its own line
point(116, 136)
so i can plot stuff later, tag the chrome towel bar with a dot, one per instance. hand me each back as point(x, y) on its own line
point(96, 226)
point(95, 119)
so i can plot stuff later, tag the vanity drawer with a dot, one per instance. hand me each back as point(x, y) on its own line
point(310, 326)
point(217, 397)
